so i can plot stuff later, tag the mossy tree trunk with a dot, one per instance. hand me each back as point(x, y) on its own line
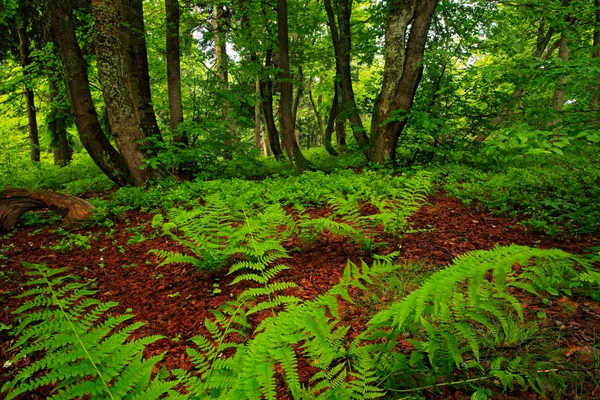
point(404, 49)
point(222, 70)
point(75, 72)
point(174, 70)
point(135, 56)
point(125, 122)
point(57, 124)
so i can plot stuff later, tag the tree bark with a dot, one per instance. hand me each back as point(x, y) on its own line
point(296, 103)
point(558, 99)
point(222, 67)
point(342, 46)
point(595, 100)
point(402, 73)
point(286, 123)
point(16, 202)
point(133, 37)
point(57, 124)
point(322, 132)
point(266, 94)
point(260, 141)
point(126, 126)
point(174, 70)
point(34, 140)
point(76, 78)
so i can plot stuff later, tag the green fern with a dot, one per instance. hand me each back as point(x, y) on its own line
point(449, 314)
point(77, 347)
point(312, 328)
point(205, 230)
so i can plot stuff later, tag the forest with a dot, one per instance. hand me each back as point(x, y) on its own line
point(300, 199)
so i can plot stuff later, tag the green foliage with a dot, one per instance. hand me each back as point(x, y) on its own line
point(556, 194)
point(394, 204)
point(79, 177)
point(69, 241)
point(447, 321)
point(76, 346)
point(207, 232)
point(448, 317)
point(311, 326)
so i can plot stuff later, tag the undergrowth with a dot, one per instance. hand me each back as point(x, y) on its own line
point(555, 195)
point(439, 332)
point(73, 343)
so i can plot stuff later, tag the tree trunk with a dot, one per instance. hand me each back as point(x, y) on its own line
point(16, 202)
point(174, 70)
point(76, 78)
point(133, 36)
point(324, 138)
point(402, 73)
point(58, 119)
point(558, 100)
point(34, 140)
point(57, 124)
point(297, 97)
point(266, 94)
point(595, 100)
point(222, 67)
point(260, 141)
point(126, 126)
point(342, 46)
point(286, 123)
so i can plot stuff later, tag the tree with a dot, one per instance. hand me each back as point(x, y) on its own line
point(342, 45)
point(299, 162)
point(135, 56)
point(174, 69)
point(219, 20)
point(402, 73)
point(110, 161)
point(127, 110)
point(23, 33)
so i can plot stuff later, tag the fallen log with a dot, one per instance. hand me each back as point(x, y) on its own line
point(16, 202)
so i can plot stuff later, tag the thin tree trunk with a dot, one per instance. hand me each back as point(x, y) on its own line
point(558, 100)
point(342, 46)
point(222, 67)
point(174, 70)
point(334, 122)
point(259, 137)
point(57, 120)
point(126, 126)
point(133, 36)
point(326, 140)
point(57, 125)
point(286, 123)
point(595, 100)
point(34, 140)
point(298, 96)
point(266, 94)
point(76, 78)
point(402, 73)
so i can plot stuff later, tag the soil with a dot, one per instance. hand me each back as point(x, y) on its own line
point(175, 299)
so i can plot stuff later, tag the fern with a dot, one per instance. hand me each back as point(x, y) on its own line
point(205, 230)
point(449, 314)
point(84, 351)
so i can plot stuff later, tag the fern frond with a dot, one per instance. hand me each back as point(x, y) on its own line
point(80, 355)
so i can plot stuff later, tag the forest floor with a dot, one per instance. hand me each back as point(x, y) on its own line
point(175, 299)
